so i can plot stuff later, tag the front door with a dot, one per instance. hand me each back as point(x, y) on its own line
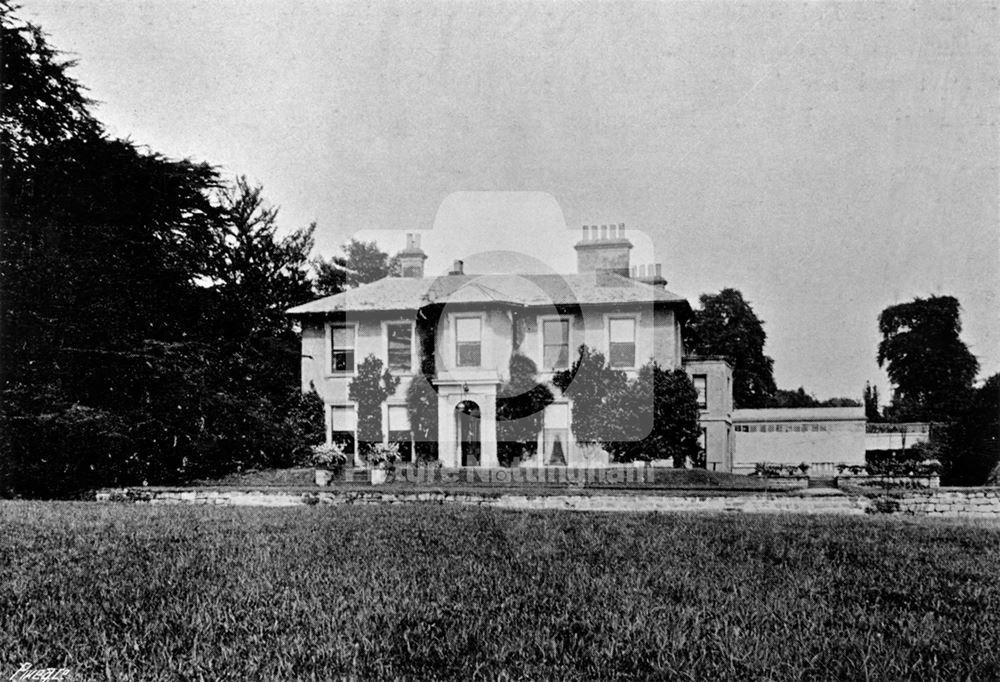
point(468, 416)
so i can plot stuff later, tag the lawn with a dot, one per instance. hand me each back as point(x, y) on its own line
point(377, 592)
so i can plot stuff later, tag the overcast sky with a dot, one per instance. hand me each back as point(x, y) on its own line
point(827, 160)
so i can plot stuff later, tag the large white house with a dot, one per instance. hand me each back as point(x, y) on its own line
point(478, 321)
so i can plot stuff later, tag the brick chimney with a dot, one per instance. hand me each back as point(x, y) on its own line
point(457, 268)
point(603, 248)
point(411, 259)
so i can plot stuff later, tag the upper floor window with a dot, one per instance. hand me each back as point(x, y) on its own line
point(468, 341)
point(621, 342)
point(343, 338)
point(399, 337)
point(555, 344)
point(701, 387)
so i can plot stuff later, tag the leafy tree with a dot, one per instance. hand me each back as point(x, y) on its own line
point(654, 416)
point(590, 382)
point(331, 275)
point(969, 447)
point(671, 433)
point(840, 402)
point(360, 263)
point(369, 390)
point(930, 367)
point(521, 403)
point(797, 398)
point(726, 325)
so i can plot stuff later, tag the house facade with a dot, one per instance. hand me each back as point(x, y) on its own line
point(473, 324)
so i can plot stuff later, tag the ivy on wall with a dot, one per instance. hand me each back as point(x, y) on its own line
point(421, 396)
point(521, 404)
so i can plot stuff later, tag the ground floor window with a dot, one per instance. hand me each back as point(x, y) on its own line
point(343, 426)
point(555, 435)
point(399, 431)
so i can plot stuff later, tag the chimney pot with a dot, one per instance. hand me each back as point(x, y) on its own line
point(457, 268)
point(585, 233)
point(659, 269)
point(604, 231)
point(634, 271)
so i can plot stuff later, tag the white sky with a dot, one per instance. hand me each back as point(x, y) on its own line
point(827, 160)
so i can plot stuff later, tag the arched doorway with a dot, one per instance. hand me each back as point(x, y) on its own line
point(468, 419)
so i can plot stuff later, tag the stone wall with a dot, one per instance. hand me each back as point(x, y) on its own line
point(941, 502)
point(980, 503)
point(633, 502)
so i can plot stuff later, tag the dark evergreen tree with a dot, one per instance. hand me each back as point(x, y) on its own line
point(120, 362)
point(872, 411)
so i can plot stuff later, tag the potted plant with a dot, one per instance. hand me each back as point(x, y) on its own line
point(329, 460)
point(382, 459)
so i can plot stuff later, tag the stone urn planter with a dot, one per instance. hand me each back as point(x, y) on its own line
point(329, 460)
point(383, 459)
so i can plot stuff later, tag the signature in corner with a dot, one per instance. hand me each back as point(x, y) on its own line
point(27, 671)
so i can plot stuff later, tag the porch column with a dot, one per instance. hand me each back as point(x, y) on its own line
point(448, 453)
point(488, 430)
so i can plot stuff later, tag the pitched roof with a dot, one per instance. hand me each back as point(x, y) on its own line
point(406, 293)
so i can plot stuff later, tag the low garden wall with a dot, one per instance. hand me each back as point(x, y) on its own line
point(983, 503)
point(941, 502)
point(637, 502)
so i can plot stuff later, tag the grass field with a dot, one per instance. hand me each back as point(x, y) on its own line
point(137, 592)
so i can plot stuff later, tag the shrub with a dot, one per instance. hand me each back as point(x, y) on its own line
point(766, 470)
